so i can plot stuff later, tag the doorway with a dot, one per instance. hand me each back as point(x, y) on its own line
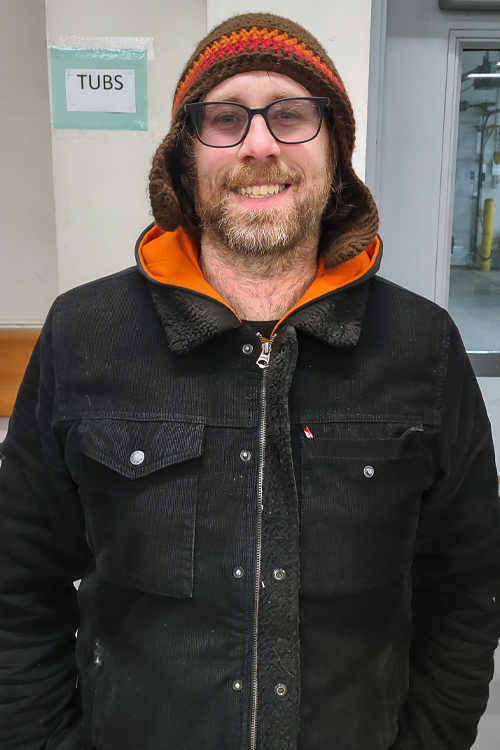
point(474, 288)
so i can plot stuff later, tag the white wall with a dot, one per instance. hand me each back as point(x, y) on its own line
point(100, 177)
point(344, 31)
point(28, 276)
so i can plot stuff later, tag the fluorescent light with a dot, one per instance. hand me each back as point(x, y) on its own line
point(484, 75)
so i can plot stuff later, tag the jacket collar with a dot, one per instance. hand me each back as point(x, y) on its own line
point(192, 313)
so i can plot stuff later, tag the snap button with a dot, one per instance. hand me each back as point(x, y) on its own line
point(238, 572)
point(279, 574)
point(281, 690)
point(237, 685)
point(98, 660)
point(368, 471)
point(245, 455)
point(247, 348)
point(136, 458)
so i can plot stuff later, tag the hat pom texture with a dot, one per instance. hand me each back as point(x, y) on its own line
point(258, 41)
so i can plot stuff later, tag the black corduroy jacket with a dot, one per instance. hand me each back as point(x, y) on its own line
point(294, 548)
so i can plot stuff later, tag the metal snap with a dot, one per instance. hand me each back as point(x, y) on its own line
point(368, 471)
point(136, 458)
point(281, 690)
point(279, 574)
point(237, 685)
point(247, 348)
point(238, 572)
point(245, 455)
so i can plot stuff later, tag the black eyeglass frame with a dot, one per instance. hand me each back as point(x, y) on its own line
point(321, 101)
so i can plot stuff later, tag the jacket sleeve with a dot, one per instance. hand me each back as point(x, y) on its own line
point(456, 571)
point(42, 551)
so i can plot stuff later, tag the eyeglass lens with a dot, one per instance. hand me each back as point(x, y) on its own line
point(290, 121)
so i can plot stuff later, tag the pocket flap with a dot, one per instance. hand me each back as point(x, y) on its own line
point(135, 449)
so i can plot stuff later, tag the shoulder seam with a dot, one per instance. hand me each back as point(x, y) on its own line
point(95, 282)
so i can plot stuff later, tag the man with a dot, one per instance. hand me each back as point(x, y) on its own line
point(271, 469)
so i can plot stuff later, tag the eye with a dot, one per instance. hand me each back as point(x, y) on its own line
point(226, 117)
point(288, 114)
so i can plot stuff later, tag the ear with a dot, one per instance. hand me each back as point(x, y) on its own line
point(164, 202)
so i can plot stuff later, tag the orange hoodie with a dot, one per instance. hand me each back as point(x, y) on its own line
point(171, 258)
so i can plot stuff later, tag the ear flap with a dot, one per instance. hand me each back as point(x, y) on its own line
point(354, 233)
point(164, 202)
point(353, 226)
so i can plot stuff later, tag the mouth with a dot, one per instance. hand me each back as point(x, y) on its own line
point(261, 191)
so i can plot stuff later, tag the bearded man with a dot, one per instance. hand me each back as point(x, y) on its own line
point(271, 469)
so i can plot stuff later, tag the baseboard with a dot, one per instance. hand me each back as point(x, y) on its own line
point(16, 345)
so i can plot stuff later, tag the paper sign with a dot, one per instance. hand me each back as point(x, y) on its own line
point(101, 90)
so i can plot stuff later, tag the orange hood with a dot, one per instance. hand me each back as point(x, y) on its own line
point(171, 258)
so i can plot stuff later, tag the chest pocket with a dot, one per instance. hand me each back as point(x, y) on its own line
point(359, 511)
point(139, 484)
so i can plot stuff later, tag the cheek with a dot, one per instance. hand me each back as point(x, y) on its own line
point(211, 165)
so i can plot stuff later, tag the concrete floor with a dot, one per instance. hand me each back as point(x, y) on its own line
point(475, 307)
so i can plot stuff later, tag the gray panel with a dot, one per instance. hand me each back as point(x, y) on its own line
point(490, 5)
point(28, 276)
point(485, 364)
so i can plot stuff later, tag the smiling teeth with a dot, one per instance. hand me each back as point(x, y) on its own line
point(258, 191)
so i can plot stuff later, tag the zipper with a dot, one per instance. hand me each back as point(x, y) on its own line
point(262, 362)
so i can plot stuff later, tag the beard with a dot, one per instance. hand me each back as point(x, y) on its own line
point(269, 236)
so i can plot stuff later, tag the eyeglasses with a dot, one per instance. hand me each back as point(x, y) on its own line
point(226, 124)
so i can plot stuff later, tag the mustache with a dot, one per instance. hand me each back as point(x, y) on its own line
point(244, 174)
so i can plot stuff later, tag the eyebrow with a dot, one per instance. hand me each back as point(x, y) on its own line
point(237, 99)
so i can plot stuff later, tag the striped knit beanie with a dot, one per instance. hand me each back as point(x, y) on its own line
point(257, 41)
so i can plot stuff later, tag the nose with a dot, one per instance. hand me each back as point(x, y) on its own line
point(259, 143)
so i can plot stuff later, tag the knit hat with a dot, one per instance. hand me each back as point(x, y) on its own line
point(257, 41)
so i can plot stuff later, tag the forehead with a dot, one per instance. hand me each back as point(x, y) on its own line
point(263, 84)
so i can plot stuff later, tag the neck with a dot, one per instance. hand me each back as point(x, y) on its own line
point(262, 288)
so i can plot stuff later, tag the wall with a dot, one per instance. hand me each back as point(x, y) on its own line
point(100, 177)
point(342, 28)
point(28, 275)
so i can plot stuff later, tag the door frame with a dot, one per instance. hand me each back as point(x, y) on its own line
point(472, 37)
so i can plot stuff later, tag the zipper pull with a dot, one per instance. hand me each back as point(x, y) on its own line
point(265, 355)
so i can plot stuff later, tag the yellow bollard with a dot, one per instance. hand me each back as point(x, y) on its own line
point(487, 238)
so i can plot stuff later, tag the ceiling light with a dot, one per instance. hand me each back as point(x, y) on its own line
point(484, 75)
